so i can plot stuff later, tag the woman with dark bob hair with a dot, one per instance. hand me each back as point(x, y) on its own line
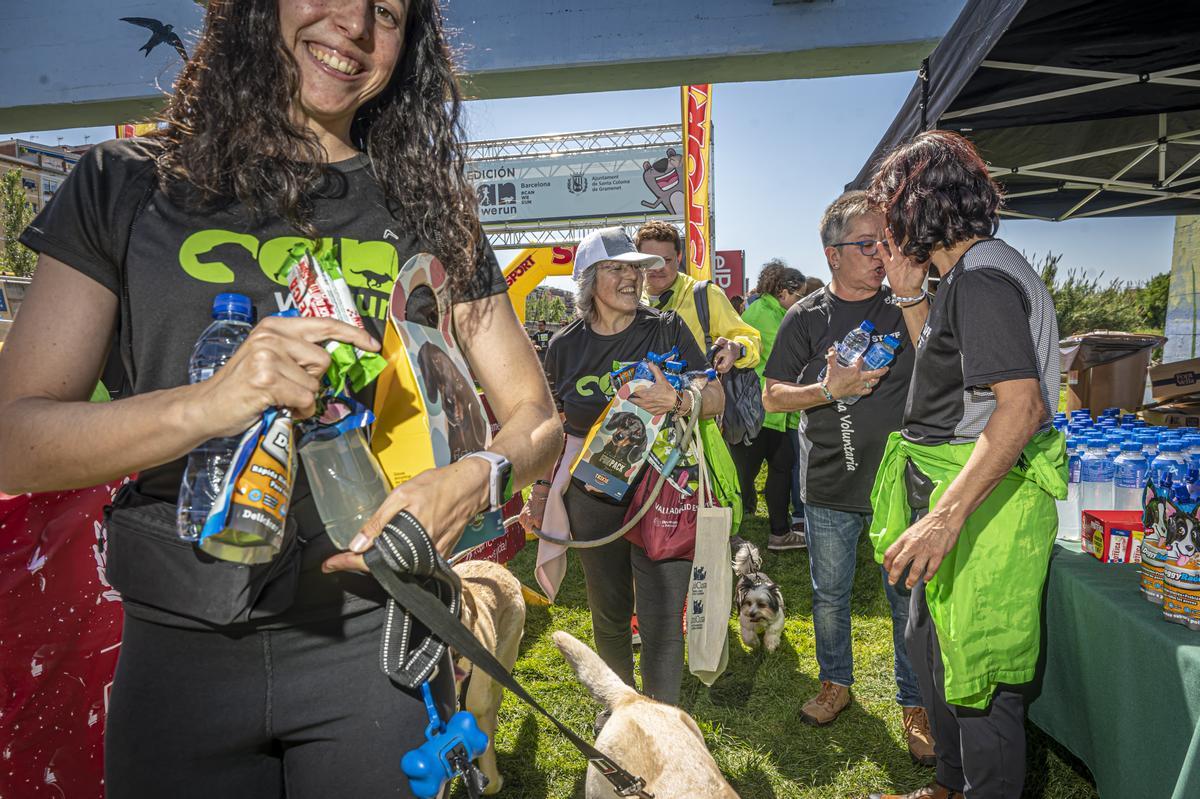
point(294, 120)
point(976, 551)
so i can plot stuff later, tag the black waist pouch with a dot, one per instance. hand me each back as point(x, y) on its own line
point(151, 565)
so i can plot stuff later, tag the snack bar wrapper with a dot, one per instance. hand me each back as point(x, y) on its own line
point(319, 290)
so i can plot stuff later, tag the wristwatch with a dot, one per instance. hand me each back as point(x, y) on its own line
point(500, 488)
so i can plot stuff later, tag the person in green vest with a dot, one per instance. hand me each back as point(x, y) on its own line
point(964, 513)
point(779, 288)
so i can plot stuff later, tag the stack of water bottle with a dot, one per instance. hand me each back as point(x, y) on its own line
point(1113, 461)
point(1110, 458)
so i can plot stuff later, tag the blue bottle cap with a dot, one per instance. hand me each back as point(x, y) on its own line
point(891, 341)
point(1131, 446)
point(236, 305)
point(867, 325)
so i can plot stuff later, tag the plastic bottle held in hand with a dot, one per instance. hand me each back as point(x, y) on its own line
point(1096, 476)
point(877, 356)
point(1068, 509)
point(207, 463)
point(853, 346)
point(1129, 476)
point(348, 484)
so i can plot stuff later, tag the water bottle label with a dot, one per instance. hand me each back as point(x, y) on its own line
point(1096, 471)
point(1130, 476)
point(1075, 467)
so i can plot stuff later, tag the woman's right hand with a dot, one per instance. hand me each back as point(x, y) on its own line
point(279, 365)
point(850, 381)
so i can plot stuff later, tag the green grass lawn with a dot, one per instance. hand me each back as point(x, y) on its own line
point(750, 717)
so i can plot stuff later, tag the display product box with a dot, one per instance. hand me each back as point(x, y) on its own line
point(1113, 536)
point(1175, 379)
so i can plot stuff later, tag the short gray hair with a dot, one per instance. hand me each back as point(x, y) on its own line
point(840, 213)
point(585, 294)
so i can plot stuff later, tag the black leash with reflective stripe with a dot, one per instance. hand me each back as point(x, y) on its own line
point(403, 561)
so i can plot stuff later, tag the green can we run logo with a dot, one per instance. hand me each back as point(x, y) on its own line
point(215, 256)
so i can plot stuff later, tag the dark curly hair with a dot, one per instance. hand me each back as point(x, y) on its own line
point(776, 276)
point(230, 136)
point(935, 190)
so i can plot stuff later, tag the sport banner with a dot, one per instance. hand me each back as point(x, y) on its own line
point(697, 133)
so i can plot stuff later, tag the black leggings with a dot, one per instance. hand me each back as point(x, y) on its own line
point(776, 448)
point(618, 575)
point(300, 712)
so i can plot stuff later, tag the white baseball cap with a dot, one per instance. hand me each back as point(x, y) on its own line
point(610, 244)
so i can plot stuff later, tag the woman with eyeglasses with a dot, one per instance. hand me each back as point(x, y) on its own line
point(613, 326)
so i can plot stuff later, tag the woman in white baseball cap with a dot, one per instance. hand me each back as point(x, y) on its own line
point(612, 326)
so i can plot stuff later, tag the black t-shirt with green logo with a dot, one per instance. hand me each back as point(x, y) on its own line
point(579, 361)
point(176, 262)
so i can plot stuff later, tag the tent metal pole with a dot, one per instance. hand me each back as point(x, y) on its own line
point(1031, 193)
point(1165, 76)
point(1117, 176)
point(1046, 68)
point(1162, 148)
point(1134, 204)
point(1094, 154)
point(1170, 181)
point(1022, 215)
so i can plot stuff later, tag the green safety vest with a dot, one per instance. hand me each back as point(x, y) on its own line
point(985, 600)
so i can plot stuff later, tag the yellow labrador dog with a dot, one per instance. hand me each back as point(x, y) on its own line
point(657, 742)
point(494, 610)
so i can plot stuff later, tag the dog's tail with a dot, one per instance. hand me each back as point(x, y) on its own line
point(747, 559)
point(595, 675)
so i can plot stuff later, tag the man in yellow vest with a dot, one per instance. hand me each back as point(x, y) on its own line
point(668, 288)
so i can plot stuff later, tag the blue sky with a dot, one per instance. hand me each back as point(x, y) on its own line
point(784, 150)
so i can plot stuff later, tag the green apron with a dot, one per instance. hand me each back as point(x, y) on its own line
point(985, 600)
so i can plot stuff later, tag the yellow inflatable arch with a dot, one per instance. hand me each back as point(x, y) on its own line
point(531, 267)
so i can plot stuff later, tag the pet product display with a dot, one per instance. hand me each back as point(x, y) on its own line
point(1112, 536)
point(1170, 572)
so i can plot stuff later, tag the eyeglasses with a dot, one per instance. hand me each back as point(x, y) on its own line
point(618, 268)
point(866, 247)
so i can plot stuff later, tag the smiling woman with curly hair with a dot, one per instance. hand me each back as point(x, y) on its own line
point(294, 120)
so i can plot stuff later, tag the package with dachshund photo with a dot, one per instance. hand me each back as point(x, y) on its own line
point(618, 444)
point(427, 411)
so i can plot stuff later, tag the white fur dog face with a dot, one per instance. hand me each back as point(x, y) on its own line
point(760, 610)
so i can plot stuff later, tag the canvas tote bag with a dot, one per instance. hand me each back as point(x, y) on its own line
point(710, 592)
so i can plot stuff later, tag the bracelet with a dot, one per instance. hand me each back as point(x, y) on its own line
point(678, 407)
point(907, 302)
point(545, 483)
point(825, 390)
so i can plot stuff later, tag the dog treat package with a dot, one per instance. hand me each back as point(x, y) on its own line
point(246, 523)
point(427, 411)
point(1112, 536)
point(1171, 553)
point(618, 444)
point(317, 286)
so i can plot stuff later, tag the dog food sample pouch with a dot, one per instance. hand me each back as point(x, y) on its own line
point(319, 290)
point(618, 444)
point(247, 521)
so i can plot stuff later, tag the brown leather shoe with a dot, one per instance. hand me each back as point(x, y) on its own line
point(920, 738)
point(931, 791)
point(825, 707)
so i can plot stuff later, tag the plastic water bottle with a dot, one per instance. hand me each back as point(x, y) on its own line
point(1068, 509)
point(207, 463)
point(854, 345)
point(348, 484)
point(877, 356)
point(1169, 460)
point(1129, 477)
point(1096, 476)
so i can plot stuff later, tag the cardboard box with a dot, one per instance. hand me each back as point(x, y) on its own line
point(1113, 536)
point(1175, 379)
point(1106, 369)
point(619, 444)
point(1176, 414)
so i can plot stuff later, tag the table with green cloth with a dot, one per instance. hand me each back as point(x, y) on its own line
point(1121, 687)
